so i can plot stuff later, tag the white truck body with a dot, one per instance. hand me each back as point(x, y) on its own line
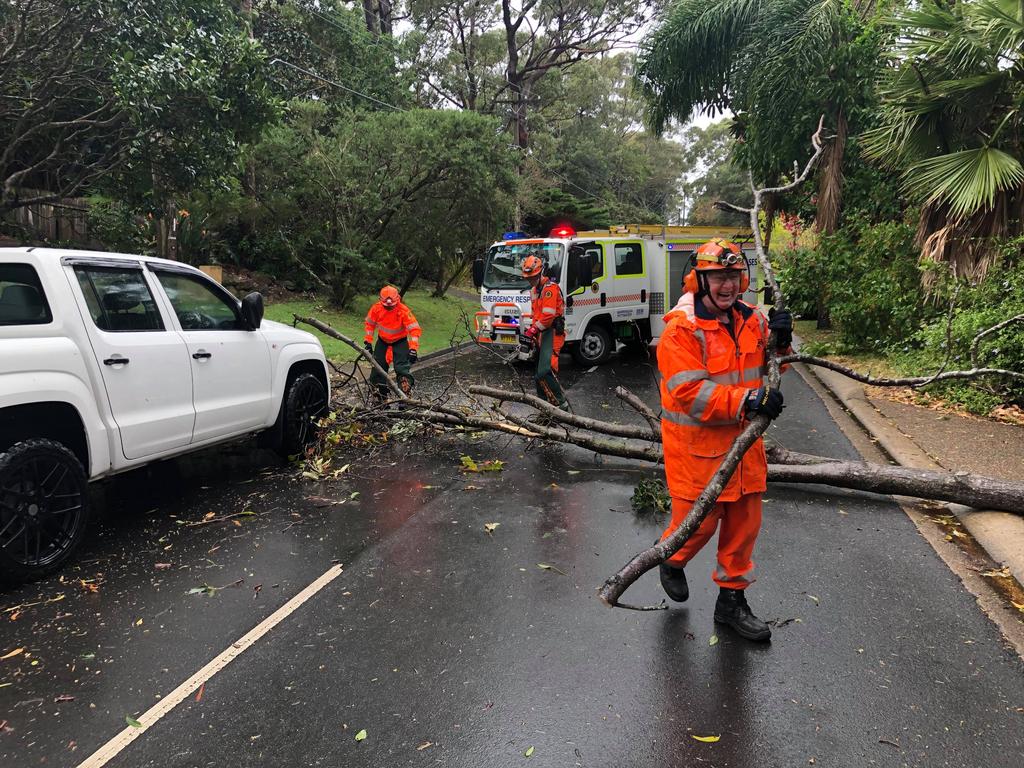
point(636, 278)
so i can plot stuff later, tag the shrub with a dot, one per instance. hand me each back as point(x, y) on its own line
point(868, 277)
point(998, 297)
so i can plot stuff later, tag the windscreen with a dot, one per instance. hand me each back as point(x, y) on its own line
point(504, 268)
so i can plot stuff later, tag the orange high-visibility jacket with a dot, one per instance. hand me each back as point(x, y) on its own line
point(546, 303)
point(705, 379)
point(392, 325)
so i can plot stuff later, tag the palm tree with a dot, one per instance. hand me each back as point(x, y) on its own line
point(776, 65)
point(953, 125)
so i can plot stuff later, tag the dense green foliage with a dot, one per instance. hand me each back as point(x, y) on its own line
point(337, 200)
point(873, 281)
point(146, 98)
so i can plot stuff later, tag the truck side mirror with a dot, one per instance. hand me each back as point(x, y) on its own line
point(252, 311)
point(478, 272)
point(581, 267)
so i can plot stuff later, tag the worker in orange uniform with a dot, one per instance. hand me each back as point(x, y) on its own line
point(547, 331)
point(397, 333)
point(712, 358)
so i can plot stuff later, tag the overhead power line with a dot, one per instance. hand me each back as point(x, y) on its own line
point(345, 88)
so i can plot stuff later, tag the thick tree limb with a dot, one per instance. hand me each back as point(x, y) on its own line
point(959, 487)
point(557, 414)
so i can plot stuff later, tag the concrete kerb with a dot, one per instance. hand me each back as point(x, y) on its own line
point(1000, 534)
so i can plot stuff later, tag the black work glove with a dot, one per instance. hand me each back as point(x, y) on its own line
point(368, 347)
point(413, 355)
point(782, 323)
point(764, 401)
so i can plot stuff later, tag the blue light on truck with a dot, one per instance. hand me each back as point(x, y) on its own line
point(513, 236)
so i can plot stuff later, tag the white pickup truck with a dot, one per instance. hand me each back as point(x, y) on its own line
point(111, 361)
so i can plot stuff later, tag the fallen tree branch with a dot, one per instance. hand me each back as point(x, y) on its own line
point(909, 381)
point(325, 329)
point(557, 414)
point(964, 488)
point(652, 418)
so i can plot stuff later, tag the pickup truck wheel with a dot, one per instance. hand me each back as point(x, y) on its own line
point(595, 347)
point(304, 403)
point(44, 507)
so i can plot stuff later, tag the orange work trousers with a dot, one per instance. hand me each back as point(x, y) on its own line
point(741, 522)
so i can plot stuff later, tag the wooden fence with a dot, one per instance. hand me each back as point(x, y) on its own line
point(61, 221)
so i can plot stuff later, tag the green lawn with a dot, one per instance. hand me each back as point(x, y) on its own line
point(439, 318)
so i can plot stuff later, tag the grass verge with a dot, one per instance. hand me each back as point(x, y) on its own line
point(441, 319)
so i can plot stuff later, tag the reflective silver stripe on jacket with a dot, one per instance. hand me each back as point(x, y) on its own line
point(694, 374)
point(412, 326)
point(703, 398)
point(389, 330)
point(752, 373)
point(371, 323)
point(548, 311)
point(699, 334)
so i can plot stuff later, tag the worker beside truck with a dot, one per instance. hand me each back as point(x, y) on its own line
point(547, 331)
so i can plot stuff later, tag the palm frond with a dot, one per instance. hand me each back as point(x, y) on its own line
point(967, 181)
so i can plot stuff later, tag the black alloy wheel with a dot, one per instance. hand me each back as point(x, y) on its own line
point(305, 403)
point(44, 508)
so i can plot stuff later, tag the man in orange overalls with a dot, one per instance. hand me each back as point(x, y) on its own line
point(547, 330)
point(712, 357)
point(397, 333)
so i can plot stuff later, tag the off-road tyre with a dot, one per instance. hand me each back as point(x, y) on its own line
point(44, 508)
point(305, 402)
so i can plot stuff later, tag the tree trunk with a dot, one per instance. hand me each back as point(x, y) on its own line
point(410, 278)
point(830, 202)
point(370, 17)
point(386, 13)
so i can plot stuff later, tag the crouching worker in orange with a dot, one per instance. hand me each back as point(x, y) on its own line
point(712, 356)
point(547, 330)
point(398, 333)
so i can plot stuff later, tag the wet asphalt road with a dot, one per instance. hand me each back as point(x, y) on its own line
point(451, 646)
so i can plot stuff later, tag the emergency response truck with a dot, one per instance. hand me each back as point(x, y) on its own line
point(618, 283)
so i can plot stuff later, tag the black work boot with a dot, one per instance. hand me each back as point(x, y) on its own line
point(732, 609)
point(673, 580)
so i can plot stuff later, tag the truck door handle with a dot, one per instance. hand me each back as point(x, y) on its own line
point(201, 355)
point(116, 361)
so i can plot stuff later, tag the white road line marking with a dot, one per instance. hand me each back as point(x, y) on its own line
point(112, 748)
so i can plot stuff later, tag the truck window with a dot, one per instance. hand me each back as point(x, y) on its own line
point(119, 300)
point(504, 264)
point(629, 259)
point(199, 307)
point(22, 301)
